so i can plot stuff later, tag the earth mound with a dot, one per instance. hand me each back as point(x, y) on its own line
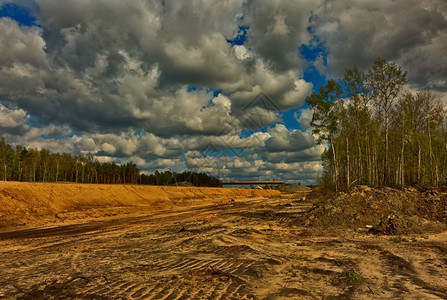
point(387, 211)
point(33, 204)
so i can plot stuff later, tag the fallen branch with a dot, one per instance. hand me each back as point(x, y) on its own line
point(19, 289)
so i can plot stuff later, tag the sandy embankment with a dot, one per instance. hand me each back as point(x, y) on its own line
point(34, 204)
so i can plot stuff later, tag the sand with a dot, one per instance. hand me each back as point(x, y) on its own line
point(131, 242)
point(35, 204)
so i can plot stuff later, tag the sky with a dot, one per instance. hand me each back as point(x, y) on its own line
point(209, 86)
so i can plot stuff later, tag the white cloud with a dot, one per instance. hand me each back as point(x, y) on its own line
point(241, 52)
point(304, 117)
point(408, 32)
point(291, 141)
point(97, 71)
point(22, 46)
point(109, 149)
point(12, 118)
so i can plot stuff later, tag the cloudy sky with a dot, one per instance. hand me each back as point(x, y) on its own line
point(213, 86)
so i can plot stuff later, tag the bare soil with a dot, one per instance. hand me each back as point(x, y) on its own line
point(255, 246)
point(24, 205)
point(390, 211)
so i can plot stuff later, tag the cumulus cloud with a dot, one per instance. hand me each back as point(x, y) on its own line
point(108, 148)
point(411, 33)
point(20, 45)
point(12, 118)
point(160, 82)
point(277, 29)
point(284, 140)
point(304, 117)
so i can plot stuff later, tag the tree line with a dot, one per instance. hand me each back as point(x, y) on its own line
point(378, 132)
point(18, 163)
point(173, 178)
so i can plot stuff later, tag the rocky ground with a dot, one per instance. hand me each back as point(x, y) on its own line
point(280, 247)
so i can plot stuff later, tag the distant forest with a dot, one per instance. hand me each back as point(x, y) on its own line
point(378, 132)
point(18, 163)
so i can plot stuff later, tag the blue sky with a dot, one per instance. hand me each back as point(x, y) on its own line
point(18, 13)
point(309, 52)
point(163, 82)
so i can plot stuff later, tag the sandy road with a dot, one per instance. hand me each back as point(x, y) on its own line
point(158, 217)
point(242, 250)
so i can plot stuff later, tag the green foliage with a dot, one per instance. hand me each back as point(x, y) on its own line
point(327, 106)
point(377, 132)
point(386, 81)
point(354, 276)
point(397, 239)
point(325, 110)
point(40, 165)
point(180, 179)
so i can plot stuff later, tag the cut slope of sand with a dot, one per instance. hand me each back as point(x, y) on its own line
point(31, 204)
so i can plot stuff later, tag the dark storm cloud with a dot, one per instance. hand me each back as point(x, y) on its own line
point(138, 79)
point(104, 65)
point(277, 29)
point(411, 33)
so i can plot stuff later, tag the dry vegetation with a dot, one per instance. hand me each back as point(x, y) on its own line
point(103, 242)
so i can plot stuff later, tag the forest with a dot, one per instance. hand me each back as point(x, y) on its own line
point(378, 131)
point(18, 163)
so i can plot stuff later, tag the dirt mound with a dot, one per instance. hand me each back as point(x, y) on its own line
point(389, 211)
point(30, 204)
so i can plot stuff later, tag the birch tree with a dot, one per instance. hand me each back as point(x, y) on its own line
point(386, 81)
point(326, 117)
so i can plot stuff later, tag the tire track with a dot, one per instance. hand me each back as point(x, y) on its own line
point(223, 252)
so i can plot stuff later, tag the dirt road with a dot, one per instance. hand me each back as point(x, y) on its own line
point(235, 250)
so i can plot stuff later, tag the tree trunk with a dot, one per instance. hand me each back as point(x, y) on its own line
point(360, 158)
point(419, 161)
point(402, 164)
point(430, 149)
point(20, 172)
point(76, 169)
point(44, 171)
point(385, 162)
point(348, 168)
point(335, 165)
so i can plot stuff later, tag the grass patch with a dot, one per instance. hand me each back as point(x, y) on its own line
point(397, 239)
point(354, 276)
point(87, 250)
